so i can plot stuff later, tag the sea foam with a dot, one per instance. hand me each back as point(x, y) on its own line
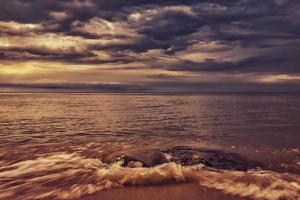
point(71, 176)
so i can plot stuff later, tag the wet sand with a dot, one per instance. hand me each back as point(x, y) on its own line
point(184, 191)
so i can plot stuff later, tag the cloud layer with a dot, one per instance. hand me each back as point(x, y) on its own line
point(181, 44)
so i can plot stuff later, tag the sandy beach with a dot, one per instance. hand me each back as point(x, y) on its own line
point(190, 191)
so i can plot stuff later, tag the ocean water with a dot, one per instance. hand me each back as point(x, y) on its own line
point(67, 146)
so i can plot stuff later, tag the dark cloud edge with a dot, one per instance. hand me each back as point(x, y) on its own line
point(157, 87)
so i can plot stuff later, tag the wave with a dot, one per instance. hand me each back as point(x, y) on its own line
point(71, 176)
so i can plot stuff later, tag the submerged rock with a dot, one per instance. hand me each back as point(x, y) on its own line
point(211, 158)
point(127, 161)
point(140, 159)
point(184, 156)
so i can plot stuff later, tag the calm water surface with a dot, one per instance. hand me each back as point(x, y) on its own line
point(63, 127)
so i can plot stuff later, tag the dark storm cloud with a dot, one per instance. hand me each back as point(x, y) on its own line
point(230, 86)
point(172, 26)
point(282, 61)
point(162, 86)
point(141, 44)
point(84, 87)
point(43, 53)
point(70, 56)
point(26, 11)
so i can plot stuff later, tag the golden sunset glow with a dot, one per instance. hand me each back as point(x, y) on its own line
point(159, 47)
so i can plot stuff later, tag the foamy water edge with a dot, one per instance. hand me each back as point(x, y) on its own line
point(71, 176)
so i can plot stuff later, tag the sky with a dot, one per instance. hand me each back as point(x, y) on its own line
point(150, 46)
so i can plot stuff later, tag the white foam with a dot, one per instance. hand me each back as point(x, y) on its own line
point(69, 176)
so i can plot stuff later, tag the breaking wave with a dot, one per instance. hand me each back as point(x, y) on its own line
point(71, 176)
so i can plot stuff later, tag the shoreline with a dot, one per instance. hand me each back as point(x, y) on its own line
point(178, 191)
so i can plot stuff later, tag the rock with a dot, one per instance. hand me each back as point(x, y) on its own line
point(140, 159)
point(211, 158)
point(184, 156)
point(127, 161)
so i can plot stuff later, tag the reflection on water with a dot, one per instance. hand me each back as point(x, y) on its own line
point(53, 144)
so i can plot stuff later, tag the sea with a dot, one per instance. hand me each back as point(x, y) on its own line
point(76, 145)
